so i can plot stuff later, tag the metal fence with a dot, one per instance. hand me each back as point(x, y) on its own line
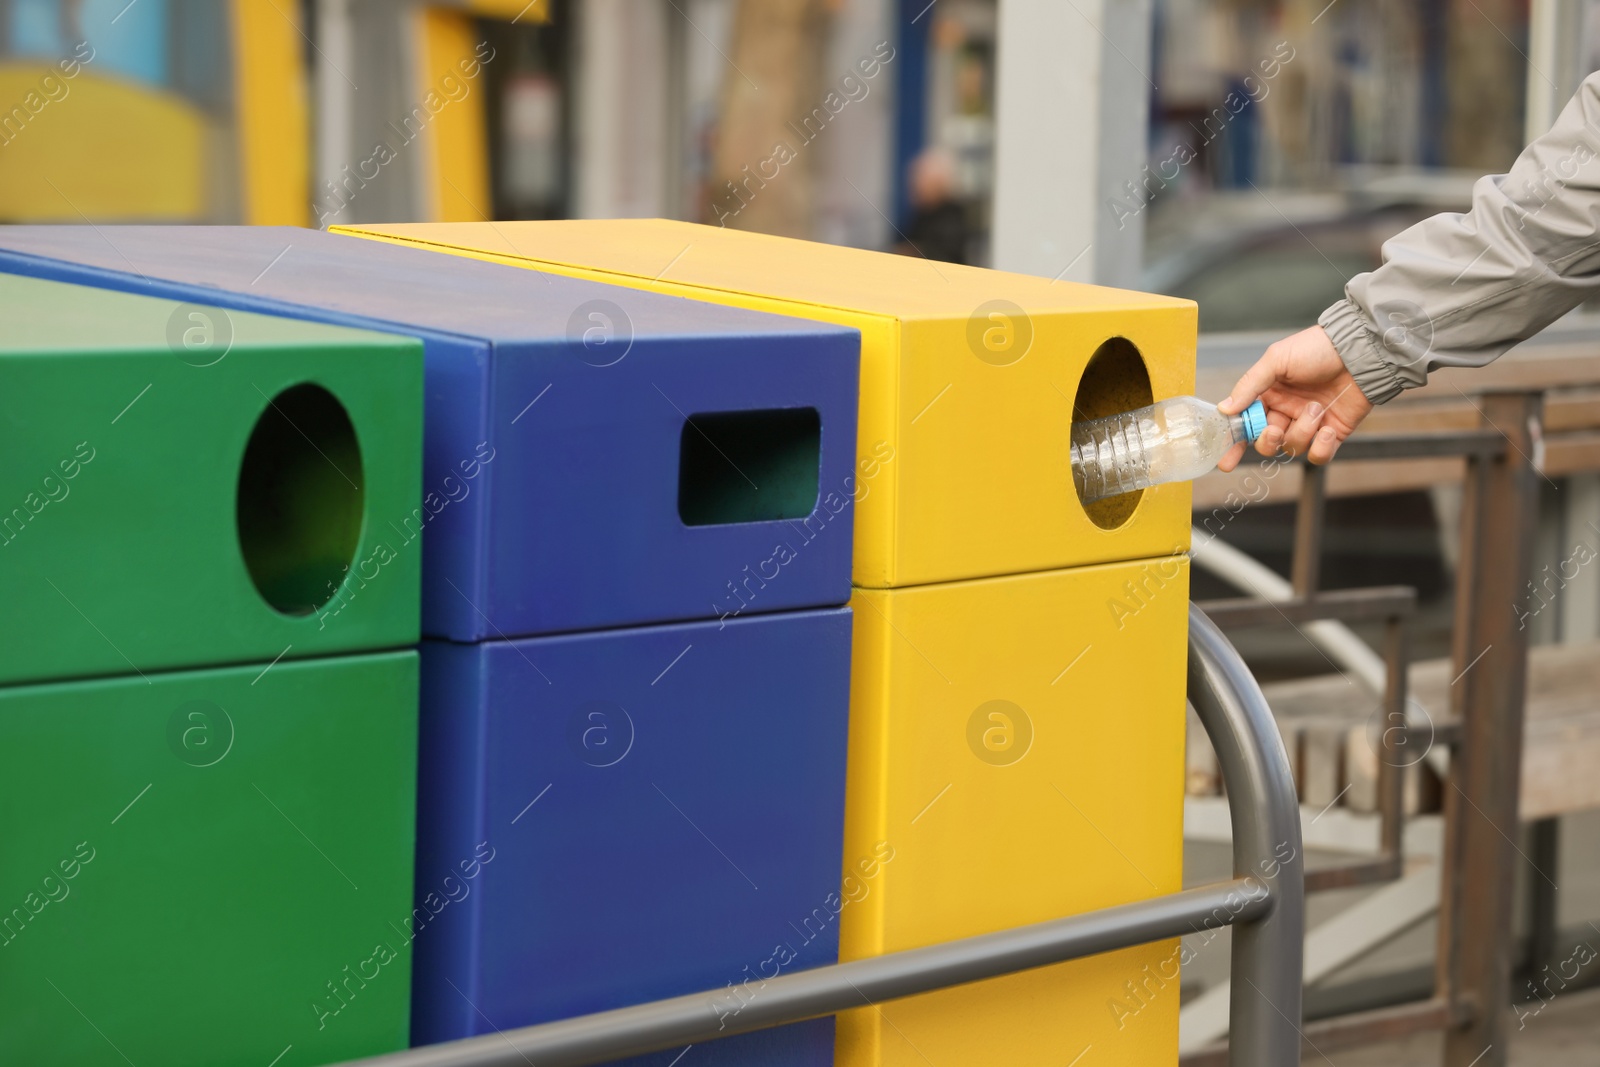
point(1482, 730)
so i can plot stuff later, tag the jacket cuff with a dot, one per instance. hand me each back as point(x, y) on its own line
point(1352, 335)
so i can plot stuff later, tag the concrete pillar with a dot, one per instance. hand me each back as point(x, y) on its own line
point(624, 93)
point(1556, 60)
point(335, 104)
point(1072, 105)
point(365, 94)
point(856, 191)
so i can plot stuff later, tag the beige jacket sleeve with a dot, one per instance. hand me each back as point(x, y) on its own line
point(1457, 290)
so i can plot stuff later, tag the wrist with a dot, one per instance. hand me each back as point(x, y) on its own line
point(1350, 336)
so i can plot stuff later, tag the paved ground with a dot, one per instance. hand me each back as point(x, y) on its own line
point(1564, 1033)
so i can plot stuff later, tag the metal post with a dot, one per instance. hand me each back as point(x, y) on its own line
point(1580, 518)
point(1268, 955)
point(1490, 663)
point(1396, 751)
point(1306, 567)
point(1544, 851)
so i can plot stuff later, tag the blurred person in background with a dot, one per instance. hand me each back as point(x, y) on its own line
point(939, 227)
point(1455, 290)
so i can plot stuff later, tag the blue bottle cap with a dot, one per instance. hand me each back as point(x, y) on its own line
point(1255, 420)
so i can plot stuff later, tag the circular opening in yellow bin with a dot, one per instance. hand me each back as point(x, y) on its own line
point(300, 499)
point(1114, 381)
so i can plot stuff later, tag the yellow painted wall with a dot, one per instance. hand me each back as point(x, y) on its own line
point(455, 142)
point(88, 147)
point(511, 10)
point(273, 130)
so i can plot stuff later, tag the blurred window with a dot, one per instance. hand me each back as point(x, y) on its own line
point(148, 85)
point(1290, 138)
point(529, 117)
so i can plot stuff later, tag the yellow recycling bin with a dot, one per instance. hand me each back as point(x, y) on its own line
point(1017, 712)
point(1020, 747)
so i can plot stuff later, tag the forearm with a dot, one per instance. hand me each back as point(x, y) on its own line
point(1457, 290)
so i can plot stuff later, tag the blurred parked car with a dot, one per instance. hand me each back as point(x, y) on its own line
point(1274, 259)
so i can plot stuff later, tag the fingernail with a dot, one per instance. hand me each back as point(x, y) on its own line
point(1314, 410)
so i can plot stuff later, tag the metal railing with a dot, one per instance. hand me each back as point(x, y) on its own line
point(1264, 902)
point(1482, 732)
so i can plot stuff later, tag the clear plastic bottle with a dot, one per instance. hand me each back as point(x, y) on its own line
point(1175, 440)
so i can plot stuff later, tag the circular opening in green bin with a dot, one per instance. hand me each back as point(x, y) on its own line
point(300, 499)
point(1115, 380)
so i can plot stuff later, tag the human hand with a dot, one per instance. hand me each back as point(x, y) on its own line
point(1312, 402)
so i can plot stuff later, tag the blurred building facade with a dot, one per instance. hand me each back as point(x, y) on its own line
point(803, 117)
point(181, 110)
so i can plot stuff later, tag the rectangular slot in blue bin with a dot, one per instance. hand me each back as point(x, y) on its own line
point(724, 455)
point(556, 414)
point(643, 813)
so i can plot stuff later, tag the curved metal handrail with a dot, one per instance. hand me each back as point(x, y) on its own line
point(1268, 954)
point(1264, 900)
